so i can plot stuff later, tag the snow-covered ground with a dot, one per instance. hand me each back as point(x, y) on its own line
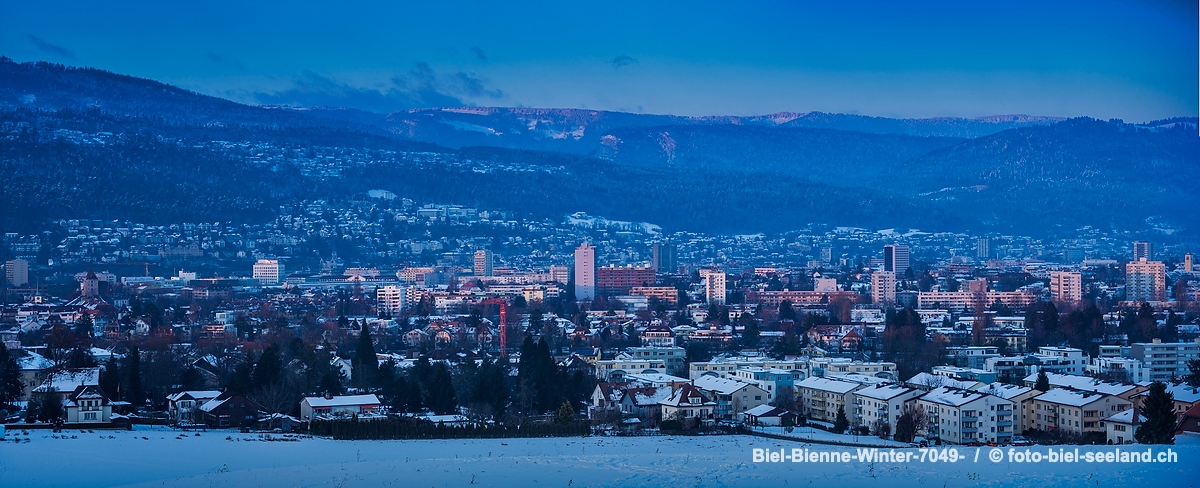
point(821, 436)
point(161, 457)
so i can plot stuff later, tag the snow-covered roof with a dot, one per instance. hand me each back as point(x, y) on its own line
point(883, 392)
point(1073, 398)
point(198, 395)
point(70, 379)
point(861, 379)
point(654, 378)
point(955, 397)
point(1182, 393)
point(342, 400)
point(826, 384)
point(1124, 417)
point(1084, 383)
point(724, 386)
point(648, 396)
point(762, 410)
point(1005, 390)
point(683, 396)
point(33, 361)
point(928, 380)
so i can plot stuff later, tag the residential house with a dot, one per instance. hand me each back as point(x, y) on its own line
point(1022, 398)
point(822, 397)
point(774, 381)
point(605, 397)
point(1075, 412)
point(229, 410)
point(643, 402)
point(731, 395)
point(182, 406)
point(1119, 427)
point(34, 370)
point(87, 404)
point(687, 402)
point(767, 415)
point(881, 404)
point(1189, 422)
point(959, 416)
point(1186, 397)
point(338, 406)
point(1083, 383)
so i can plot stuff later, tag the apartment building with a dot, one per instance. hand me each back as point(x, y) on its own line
point(1075, 412)
point(958, 416)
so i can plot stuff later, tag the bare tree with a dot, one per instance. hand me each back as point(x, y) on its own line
point(274, 398)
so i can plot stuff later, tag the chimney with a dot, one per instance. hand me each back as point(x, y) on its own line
point(328, 396)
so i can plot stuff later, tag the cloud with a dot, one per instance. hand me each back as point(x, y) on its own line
point(420, 88)
point(478, 53)
point(623, 61)
point(49, 48)
point(214, 57)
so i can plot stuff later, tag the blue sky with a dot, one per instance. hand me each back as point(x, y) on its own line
point(1135, 60)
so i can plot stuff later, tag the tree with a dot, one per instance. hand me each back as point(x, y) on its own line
point(10, 377)
point(366, 363)
point(110, 379)
point(1193, 378)
point(565, 414)
point(1159, 410)
point(241, 324)
point(268, 369)
point(841, 423)
point(750, 335)
point(50, 408)
point(190, 378)
point(1043, 382)
point(85, 327)
point(441, 391)
point(80, 357)
point(491, 388)
point(275, 398)
point(137, 394)
point(241, 380)
point(786, 312)
point(912, 420)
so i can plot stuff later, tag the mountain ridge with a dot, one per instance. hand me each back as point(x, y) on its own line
point(768, 172)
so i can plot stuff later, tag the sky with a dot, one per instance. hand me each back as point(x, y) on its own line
point(1136, 60)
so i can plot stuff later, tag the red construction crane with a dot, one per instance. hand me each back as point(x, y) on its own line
point(503, 322)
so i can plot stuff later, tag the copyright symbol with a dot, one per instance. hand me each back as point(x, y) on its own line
point(996, 455)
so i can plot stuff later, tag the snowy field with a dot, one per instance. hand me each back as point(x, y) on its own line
point(821, 436)
point(161, 458)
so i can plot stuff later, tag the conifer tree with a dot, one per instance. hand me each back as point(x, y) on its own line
point(1043, 382)
point(1159, 410)
point(10, 377)
point(366, 363)
point(841, 423)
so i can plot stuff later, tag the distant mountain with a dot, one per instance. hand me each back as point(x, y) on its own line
point(50, 86)
point(578, 130)
point(86, 143)
point(1078, 172)
point(835, 157)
